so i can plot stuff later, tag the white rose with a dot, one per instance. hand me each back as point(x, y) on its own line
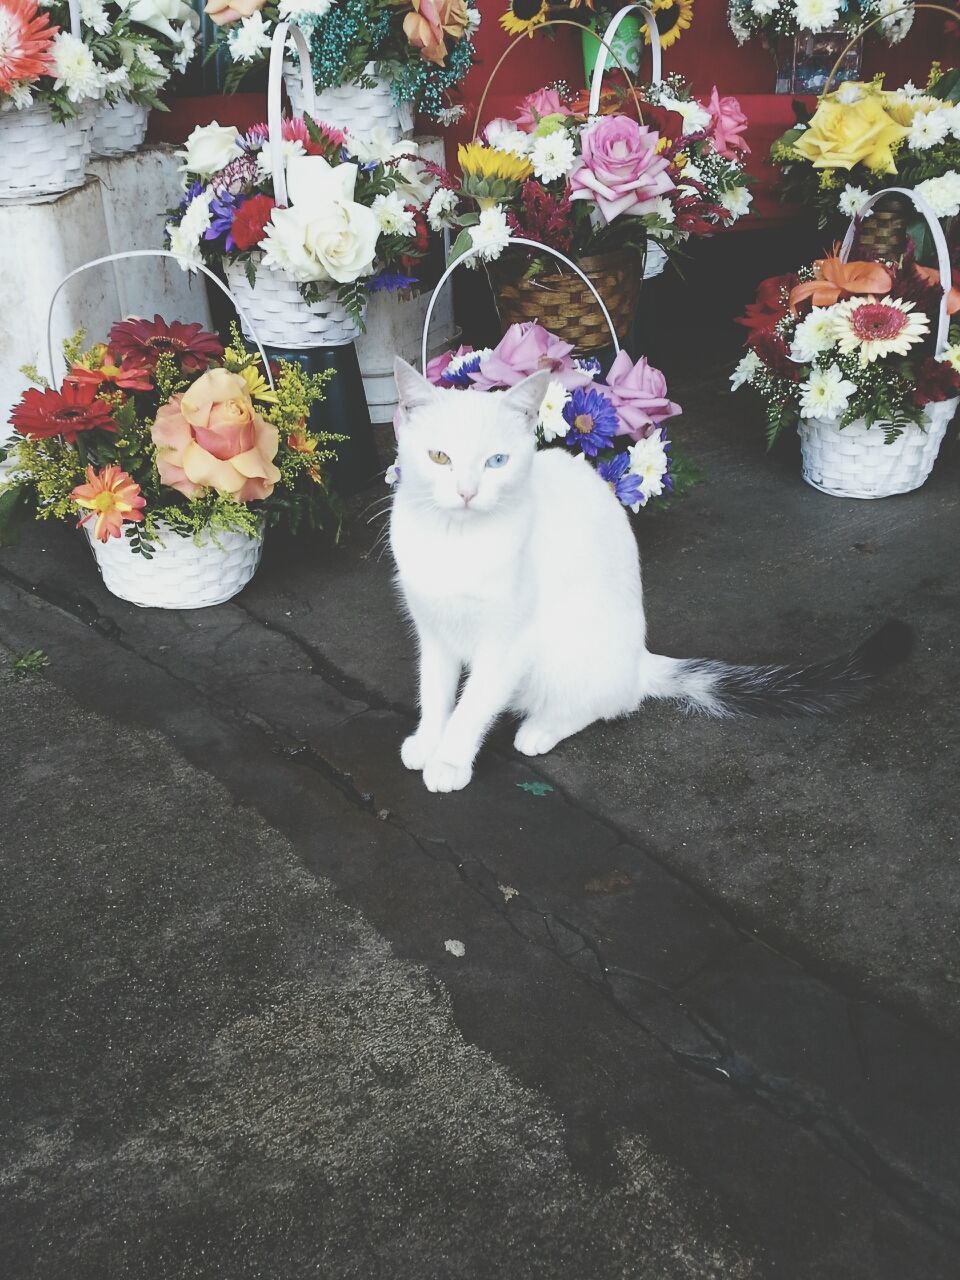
point(210, 148)
point(343, 239)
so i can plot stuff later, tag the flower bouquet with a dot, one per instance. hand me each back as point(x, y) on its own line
point(860, 358)
point(862, 134)
point(375, 62)
point(174, 454)
point(774, 19)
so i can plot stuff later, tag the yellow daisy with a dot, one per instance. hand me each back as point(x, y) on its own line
point(524, 16)
point(673, 17)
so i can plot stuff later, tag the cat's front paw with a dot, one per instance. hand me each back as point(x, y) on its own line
point(417, 750)
point(535, 740)
point(439, 776)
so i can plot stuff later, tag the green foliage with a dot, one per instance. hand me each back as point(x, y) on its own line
point(32, 374)
point(30, 664)
point(353, 298)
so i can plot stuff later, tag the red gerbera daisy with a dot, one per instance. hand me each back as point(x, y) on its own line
point(147, 340)
point(328, 144)
point(61, 413)
point(25, 39)
point(250, 220)
point(131, 376)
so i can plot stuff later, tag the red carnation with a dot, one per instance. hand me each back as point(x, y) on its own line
point(419, 241)
point(772, 350)
point(936, 380)
point(61, 413)
point(770, 306)
point(250, 220)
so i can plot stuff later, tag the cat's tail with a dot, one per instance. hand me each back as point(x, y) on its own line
point(720, 689)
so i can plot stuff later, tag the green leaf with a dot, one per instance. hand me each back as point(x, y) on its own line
point(14, 506)
point(463, 242)
point(250, 271)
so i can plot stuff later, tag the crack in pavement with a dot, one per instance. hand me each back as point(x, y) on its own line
point(692, 1041)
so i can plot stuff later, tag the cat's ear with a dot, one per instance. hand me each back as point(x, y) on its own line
point(413, 388)
point(527, 396)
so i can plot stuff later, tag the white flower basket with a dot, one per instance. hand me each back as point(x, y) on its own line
point(38, 156)
point(358, 110)
point(182, 573)
point(855, 462)
point(119, 129)
point(280, 315)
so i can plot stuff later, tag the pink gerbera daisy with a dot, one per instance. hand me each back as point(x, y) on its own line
point(877, 327)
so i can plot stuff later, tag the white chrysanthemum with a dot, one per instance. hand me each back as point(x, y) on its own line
point(291, 8)
point(737, 202)
point(746, 371)
point(473, 19)
point(877, 327)
point(816, 15)
point(692, 171)
point(289, 147)
point(185, 238)
point(76, 68)
point(928, 130)
point(814, 334)
point(21, 94)
point(93, 14)
point(764, 8)
point(852, 199)
point(649, 461)
point(393, 217)
point(440, 210)
point(694, 116)
point(505, 136)
point(897, 18)
point(942, 194)
point(951, 356)
point(186, 47)
point(664, 210)
point(553, 157)
point(491, 235)
point(550, 418)
point(148, 58)
point(118, 79)
point(249, 39)
point(450, 115)
point(741, 31)
point(826, 393)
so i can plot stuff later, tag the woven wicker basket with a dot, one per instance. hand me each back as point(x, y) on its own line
point(884, 234)
point(281, 317)
point(119, 129)
point(38, 156)
point(561, 304)
point(182, 573)
point(358, 110)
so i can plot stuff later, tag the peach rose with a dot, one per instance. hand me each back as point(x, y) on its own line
point(212, 437)
point(430, 20)
point(223, 12)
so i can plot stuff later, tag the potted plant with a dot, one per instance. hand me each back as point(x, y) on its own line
point(174, 454)
point(861, 359)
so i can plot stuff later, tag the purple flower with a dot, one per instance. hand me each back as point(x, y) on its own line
point(616, 471)
point(223, 207)
point(438, 365)
point(190, 195)
point(390, 281)
point(460, 377)
point(639, 393)
point(592, 420)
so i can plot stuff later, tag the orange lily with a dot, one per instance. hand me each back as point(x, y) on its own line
point(931, 276)
point(836, 280)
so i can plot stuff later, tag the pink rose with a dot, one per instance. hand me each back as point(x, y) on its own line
point(620, 169)
point(223, 12)
point(727, 123)
point(639, 395)
point(545, 102)
point(524, 349)
point(212, 437)
point(438, 365)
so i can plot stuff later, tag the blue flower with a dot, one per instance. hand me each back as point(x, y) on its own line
point(590, 365)
point(592, 420)
point(616, 471)
point(460, 377)
point(222, 210)
point(391, 281)
point(189, 196)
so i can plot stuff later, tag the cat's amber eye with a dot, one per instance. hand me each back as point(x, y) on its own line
point(439, 457)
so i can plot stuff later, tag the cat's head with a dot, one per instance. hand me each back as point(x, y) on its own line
point(466, 451)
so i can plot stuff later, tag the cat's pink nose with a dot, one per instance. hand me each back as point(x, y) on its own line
point(467, 495)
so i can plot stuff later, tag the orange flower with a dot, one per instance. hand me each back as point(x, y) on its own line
point(931, 276)
point(301, 442)
point(111, 497)
point(25, 45)
point(129, 377)
point(835, 280)
point(430, 21)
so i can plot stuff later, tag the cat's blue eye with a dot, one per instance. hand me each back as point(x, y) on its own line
point(498, 460)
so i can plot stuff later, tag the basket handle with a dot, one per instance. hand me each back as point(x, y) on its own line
point(939, 240)
point(858, 35)
point(74, 6)
point(274, 115)
point(554, 22)
point(151, 253)
point(532, 244)
point(600, 66)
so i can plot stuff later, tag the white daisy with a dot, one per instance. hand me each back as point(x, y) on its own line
point(877, 327)
point(186, 46)
point(93, 14)
point(816, 15)
point(649, 461)
point(826, 393)
point(897, 18)
point(288, 147)
point(814, 334)
point(951, 356)
point(76, 68)
point(249, 39)
point(473, 19)
point(553, 157)
point(491, 235)
point(21, 94)
point(393, 217)
point(852, 199)
point(440, 210)
point(550, 419)
point(928, 130)
point(942, 194)
point(664, 210)
point(764, 8)
point(737, 201)
point(148, 59)
point(746, 371)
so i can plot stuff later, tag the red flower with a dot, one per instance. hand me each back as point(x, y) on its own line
point(147, 340)
point(132, 376)
point(27, 39)
point(331, 139)
point(770, 306)
point(936, 380)
point(61, 413)
point(419, 241)
point(250, 220)
point(772, 350)
point(543, 217)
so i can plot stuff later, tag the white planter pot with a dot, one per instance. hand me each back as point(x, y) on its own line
point(181, 574)
point(38, 156)
point(360, 111)
point(280, 316)
point(119, 129)
point(855, 462)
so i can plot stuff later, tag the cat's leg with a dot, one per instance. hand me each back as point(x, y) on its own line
point(485, 695)
point(439, 677)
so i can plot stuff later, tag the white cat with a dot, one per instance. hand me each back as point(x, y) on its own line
point(520, 566)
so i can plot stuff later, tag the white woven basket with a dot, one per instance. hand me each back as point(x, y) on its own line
point(182, 573)
point(855, 462)
point(280, 315)
point(119, 129)
point(38, 156)
point(360, 111)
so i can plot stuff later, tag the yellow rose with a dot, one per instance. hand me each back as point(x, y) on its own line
point(840, 136)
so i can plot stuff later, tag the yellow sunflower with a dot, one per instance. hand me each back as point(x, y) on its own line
point(524, 16)
point(673, 17)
